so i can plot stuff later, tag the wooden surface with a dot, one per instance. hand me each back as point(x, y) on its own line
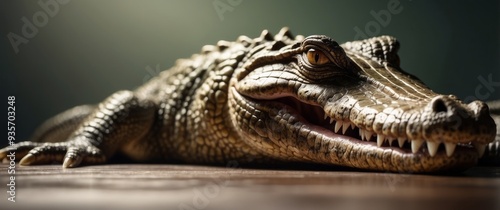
point(140, 186)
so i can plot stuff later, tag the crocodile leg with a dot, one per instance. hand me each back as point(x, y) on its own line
point(120, 120)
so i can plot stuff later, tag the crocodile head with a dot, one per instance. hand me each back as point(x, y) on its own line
point(313, 100)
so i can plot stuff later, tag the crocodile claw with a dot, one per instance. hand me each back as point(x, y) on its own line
point(67, 153)
point(27, 160)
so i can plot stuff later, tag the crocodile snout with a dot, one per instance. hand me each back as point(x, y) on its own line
point(447, 119)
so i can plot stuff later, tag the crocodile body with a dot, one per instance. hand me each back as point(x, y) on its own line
point(276, 99)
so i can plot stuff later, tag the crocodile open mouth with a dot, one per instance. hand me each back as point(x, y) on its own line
point(315, 114)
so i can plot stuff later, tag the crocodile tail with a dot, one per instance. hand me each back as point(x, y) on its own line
point(61, 126)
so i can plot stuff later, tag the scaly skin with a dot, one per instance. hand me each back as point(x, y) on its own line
point(492, 155)
point(275, 99)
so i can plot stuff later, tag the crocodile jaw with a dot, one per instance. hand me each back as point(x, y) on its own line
point(281, 131)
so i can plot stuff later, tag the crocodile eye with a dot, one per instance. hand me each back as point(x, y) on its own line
point(316, 57)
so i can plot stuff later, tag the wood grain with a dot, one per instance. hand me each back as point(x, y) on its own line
point(141, 186)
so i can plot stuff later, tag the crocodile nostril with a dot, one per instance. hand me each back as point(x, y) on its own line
point(438, 105)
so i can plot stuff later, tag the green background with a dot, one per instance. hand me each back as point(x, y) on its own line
point(90, 49)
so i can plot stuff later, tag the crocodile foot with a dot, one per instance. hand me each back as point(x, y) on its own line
point(70, 154)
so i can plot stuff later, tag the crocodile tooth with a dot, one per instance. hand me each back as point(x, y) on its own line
point(368, 135)
point(332, 120)
point(326, 116)
point(432, 146)
point(337, 126)
point(362, 134)
point(450, 148)
point(353, 126)
point(415, 145)
point(390, 140)
point(480, 148)
point(380, 140)
point(345, 126)
point(494, 147)
point(401, 142)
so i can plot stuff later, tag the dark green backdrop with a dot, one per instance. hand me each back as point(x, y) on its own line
point(86, 50)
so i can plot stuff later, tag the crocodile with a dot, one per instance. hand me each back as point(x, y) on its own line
point(275, 99)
